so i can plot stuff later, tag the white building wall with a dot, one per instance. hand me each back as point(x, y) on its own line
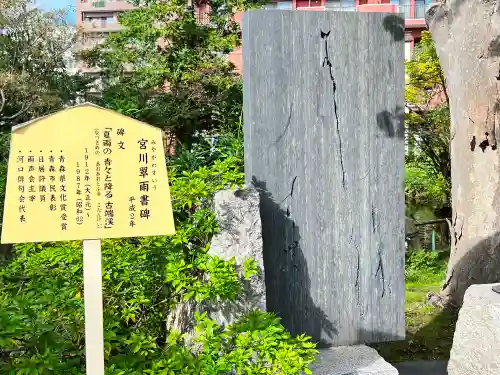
point(407, 50)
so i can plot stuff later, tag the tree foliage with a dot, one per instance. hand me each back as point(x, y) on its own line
point(425, 187)
point(34, 47)
point(428, 127)
point(181, 79)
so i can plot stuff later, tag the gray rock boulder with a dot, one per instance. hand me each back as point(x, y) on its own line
point(476, 343)
point(239, 236)
point(351, 360)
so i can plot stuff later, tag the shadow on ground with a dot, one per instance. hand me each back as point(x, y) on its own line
point(422, 368)
point(429, 334)
point(429, 329)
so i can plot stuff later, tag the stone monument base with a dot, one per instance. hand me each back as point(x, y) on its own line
point(351, 360)
point(476, 343)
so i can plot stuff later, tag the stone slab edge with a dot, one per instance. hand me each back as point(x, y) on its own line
point(351, 360)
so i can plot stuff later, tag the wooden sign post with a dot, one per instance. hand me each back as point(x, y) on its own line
point(86, 173)
point(92, 280)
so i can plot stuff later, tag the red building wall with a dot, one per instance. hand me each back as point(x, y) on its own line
point(236, 56)
point(413, 26)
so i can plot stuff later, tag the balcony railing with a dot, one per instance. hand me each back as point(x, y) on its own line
point(88, 43)
point(338, 7)
point(203, 18)
point(105, 6)
point(416, 11)
point(101, 26)
point(408, 11)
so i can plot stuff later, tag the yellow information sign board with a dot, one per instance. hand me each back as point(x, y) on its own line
point(86, 173)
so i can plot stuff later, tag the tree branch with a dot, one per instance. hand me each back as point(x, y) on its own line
point(19, 113)
point(426, 147)
point(429, 222)
point(445, 90)
point(450, 227)
point(2, 97)
point(414, 108)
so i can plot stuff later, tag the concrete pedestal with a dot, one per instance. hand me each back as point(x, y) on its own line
point(351, 360)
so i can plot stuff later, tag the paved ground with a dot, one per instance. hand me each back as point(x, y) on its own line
point(422, 368)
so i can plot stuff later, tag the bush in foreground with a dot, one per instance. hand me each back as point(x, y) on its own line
point(42, 312)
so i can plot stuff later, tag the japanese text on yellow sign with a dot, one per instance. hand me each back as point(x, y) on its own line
point(86, 173)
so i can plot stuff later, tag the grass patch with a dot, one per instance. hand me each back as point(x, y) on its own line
point(429, 329)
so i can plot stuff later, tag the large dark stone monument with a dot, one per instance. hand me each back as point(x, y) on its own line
point(324, 144)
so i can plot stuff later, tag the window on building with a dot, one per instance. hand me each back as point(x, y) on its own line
point(98, 4)
point(377, 2)
point(308, 3)
point(333, 4)
point(285, 5)
point(404, 8)
point(345, 5)
point(420, 8)
point(279, 5)
point(92, 19)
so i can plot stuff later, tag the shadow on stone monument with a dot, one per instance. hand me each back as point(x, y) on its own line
point(395, 25)
point(392, 123)
point(288, 286)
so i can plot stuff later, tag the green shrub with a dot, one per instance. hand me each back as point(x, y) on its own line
point(205, 150)
point(423, 186)
point(421, 266)
point(4, 158)
point(42, 312)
